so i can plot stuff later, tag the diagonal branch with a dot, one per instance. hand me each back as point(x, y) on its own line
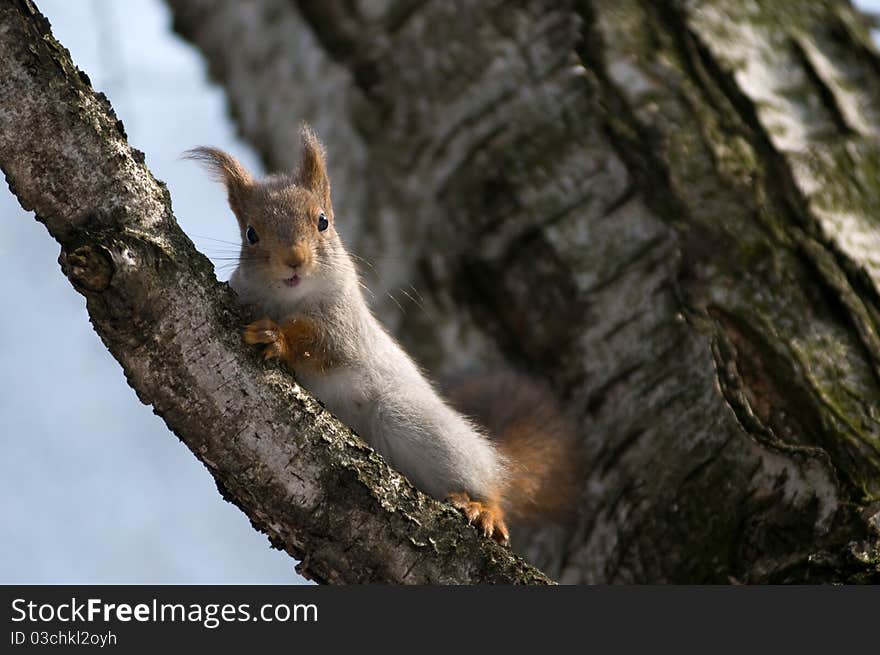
point(301, 476)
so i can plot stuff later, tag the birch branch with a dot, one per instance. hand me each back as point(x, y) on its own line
point(301, 476)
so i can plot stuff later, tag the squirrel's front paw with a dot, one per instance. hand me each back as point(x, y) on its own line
point(267, 333)
point(488, 517)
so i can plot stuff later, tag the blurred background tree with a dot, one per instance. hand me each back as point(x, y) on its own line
point(665, 209)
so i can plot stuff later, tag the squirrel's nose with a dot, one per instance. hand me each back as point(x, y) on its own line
point(296, 256)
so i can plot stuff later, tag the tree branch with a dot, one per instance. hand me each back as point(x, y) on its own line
point(301, 476)
point(630, 200)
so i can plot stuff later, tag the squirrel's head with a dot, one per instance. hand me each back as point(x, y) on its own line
point(289, 246)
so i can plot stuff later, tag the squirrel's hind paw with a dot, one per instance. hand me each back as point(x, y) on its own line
point(488, 517)
point(266, 333)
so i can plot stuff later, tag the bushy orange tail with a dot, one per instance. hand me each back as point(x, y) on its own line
point(539, 442)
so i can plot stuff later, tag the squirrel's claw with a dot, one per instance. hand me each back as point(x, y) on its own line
point(487, 517)
point(266, 333)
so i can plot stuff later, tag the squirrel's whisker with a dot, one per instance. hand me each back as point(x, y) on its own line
point(207, 238)
point(416, 302)
point(325, 331)
point(402, 310)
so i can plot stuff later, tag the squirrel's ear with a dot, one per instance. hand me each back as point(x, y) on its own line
point(226, 169)
point(312, 172)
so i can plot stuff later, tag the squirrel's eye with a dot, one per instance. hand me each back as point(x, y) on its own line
point(251, 235)
point(323, 223)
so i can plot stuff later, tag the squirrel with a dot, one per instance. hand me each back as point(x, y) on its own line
point(294, 269)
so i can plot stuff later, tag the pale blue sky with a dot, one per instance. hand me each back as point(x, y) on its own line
point(96, 489)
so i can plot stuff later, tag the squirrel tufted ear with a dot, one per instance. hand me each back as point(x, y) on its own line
point(312, 171)
point(226, 169)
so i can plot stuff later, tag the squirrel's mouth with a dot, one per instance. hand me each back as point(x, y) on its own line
point(292, 281)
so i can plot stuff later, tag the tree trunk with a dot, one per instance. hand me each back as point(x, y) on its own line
point(301, 477)
point(666, 209)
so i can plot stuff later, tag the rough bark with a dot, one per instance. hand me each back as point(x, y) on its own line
point(666, 209)
point(303, 478)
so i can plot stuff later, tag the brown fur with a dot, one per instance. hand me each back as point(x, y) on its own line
point(228, 170)
point(537, 439)
point(312, 172)
point(282, 209)
point(487, 515)
point(298, 343)
point(530, 431)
